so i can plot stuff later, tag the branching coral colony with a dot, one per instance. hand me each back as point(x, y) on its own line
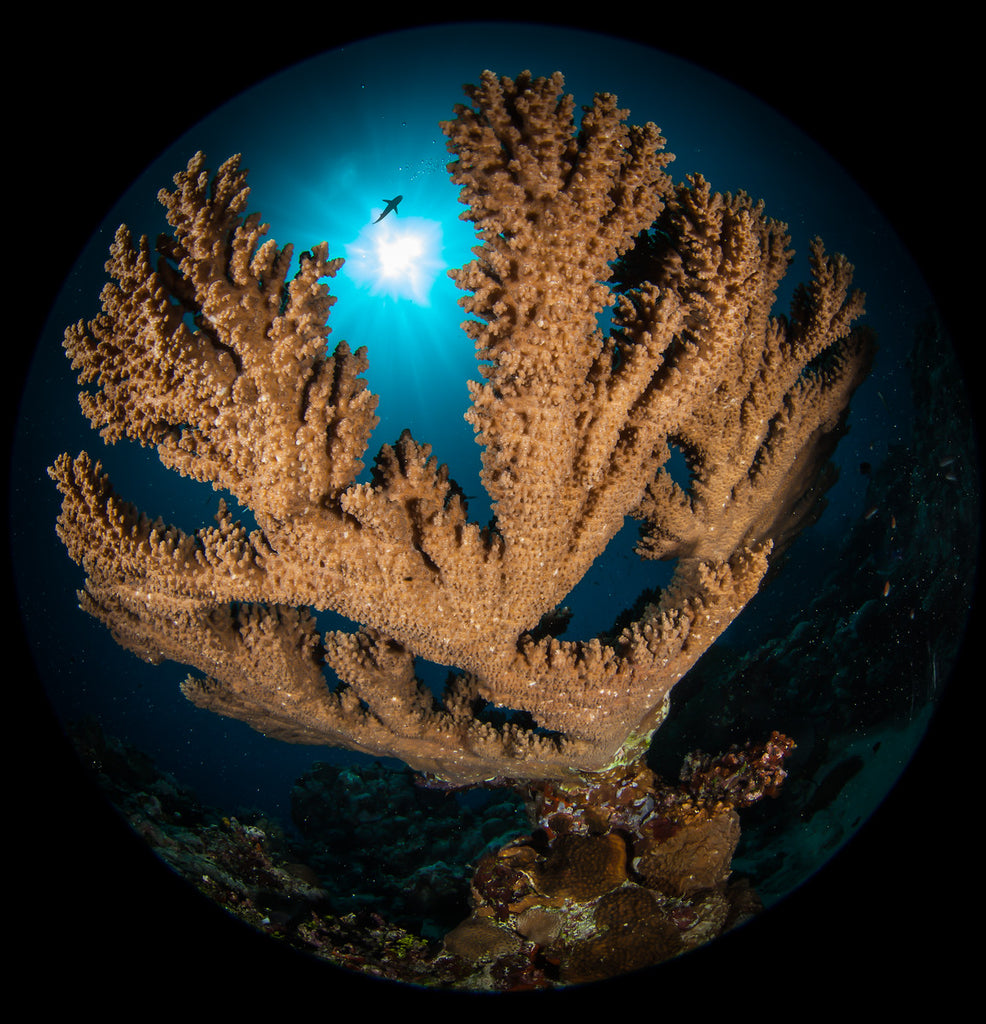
point(212, 356)
point(575, 427)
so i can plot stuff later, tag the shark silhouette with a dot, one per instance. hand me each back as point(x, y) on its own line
point(391, 205)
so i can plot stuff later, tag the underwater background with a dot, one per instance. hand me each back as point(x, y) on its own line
point(326, 144)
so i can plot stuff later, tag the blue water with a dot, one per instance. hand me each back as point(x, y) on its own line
point(326, 143)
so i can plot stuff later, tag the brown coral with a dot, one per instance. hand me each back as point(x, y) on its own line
point(581, 867)
point(589, 909)
point(631, 931)
point(478, 938)
point(694, 856)
point(210, 354)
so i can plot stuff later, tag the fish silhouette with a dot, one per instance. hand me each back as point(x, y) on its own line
point(391, 205)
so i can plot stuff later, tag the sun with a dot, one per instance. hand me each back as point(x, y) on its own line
point(398, 254)
point(400, 259)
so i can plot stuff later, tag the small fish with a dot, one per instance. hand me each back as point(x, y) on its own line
point(391, 205)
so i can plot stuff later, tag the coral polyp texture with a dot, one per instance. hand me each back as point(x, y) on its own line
point(208, 352)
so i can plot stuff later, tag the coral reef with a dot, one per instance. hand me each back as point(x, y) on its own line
point(415, 843)
point(611, 878)
point(617, 876)
point(212, 356)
